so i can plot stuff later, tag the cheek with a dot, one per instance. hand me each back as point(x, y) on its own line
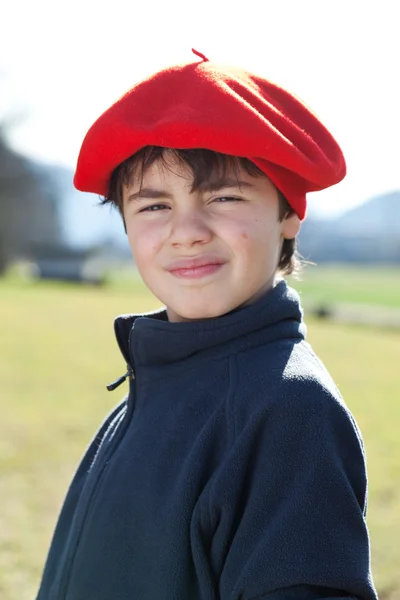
point(143, 244)
point(247, 242)
point(253, 235)
point(257, 242)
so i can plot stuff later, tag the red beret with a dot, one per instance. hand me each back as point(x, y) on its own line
point(220, 108)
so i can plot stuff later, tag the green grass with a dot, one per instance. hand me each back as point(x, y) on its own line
point(354, 284)
point(57, 353)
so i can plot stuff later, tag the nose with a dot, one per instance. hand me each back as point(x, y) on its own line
point(189, 227)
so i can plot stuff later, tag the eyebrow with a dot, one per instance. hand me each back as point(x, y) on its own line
point(149, 193)
point(225, 182)
point(206, 186)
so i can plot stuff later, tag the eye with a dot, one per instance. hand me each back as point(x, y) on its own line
point(153, 208)
point(224, 199)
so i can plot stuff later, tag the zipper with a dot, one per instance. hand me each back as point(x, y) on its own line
point(93, 478)
point(130, 373)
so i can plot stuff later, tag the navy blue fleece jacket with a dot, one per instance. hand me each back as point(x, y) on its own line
point(232, 471)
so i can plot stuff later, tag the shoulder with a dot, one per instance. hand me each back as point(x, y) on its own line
point(284, 368)
point(297, 418)
point(288, 382)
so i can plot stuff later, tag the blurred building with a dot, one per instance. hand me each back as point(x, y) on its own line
point(29, 205)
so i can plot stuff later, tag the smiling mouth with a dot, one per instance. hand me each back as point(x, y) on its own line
point(197, 272)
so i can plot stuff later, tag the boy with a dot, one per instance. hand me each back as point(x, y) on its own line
point(233, 469)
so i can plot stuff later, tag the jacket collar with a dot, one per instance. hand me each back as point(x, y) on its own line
point(150, 339)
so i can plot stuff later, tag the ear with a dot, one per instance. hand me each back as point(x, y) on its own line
point(291, 226)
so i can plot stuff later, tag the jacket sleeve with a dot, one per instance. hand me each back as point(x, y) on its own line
point(288, 511)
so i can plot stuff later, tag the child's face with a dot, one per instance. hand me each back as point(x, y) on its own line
point(234, 232)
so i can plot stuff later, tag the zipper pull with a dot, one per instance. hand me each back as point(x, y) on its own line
point(112, 386)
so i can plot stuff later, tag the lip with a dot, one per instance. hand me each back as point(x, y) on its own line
point(195, 267)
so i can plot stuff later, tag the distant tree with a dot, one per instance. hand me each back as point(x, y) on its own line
point(28, 205)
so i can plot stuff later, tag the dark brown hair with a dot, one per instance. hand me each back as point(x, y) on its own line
point(204, 165)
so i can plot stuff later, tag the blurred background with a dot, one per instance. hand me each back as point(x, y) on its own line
point(66, 269)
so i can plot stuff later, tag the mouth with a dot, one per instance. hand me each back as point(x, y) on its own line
point(196, 272)
point(195, 267)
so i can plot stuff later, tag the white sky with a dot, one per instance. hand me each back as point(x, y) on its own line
point(63, 63)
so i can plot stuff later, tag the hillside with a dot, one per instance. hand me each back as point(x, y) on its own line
point(369, 233)
point(379, 215)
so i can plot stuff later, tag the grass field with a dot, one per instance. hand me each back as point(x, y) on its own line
point(57, 353)
point(359, 285)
